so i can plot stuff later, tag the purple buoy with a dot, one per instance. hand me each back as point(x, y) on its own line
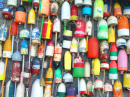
point(71, 91)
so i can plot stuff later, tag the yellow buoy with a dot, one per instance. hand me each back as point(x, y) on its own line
point(67, 61)
point(111, 35)
point(31, 17)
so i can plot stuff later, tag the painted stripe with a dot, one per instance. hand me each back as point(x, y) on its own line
point(49, 79)
point(113, 53)
point(113, 76)
point(113, 71)
point(61, 94)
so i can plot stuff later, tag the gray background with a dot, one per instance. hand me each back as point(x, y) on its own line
point(20, 27)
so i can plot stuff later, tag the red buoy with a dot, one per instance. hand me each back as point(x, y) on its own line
point(14, 28)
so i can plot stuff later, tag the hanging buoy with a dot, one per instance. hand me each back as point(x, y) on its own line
point(128, 47)
point(74, 13)
point(24, 34)
point(89, 88)
point(113, 72)
point(47, 91)
point(2, 65)
point(112, 21)
point(87, 9)
point(102, 30)
point(82, 46)
point(87, 69)
point(50, 48)
point(81, 88)
point(36, 66)
point(67, 61)
point(98, 10)
point(117, 89)
point(80, 29)
point(36, 4)
point(88, 28)
point(7, 13)
point(41, 51)
point(20, 14)
point(78, 66)
point(113, 52)
point(108, 88)
point(93, 47)
point(37, 90)
point(24, 47)
point(58, 76)
point(67, 78)
point(67, 36)
point(9, 91)
point(117, 10)
point(74, 45)
point(54, 9)
point(61, 92)
point(78, 2)
point(111, 35)
point(33, 50)
point(3, 32)
point(121, 43)
point(106, 12)
point(104, 50)
point(20, 90)
point(70, 91)
point(96, 64)
point(12, 3)
point(122, 61)
point(123, 26)
point(35, 35)
point(126, 11)
point(104, 65)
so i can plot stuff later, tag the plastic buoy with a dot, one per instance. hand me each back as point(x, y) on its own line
point(40, 51)
point(78, 2)
point(111, 35)
point(126, 11)
point(36, 66)
point(36, 35)
point(89, 88)
point(81, 88)
point(87, 69)
point(106, 12)
point(74, 13)
point(7, 13)
point(61, 92)
point(20, 90)
point(58, 76)
point(88, 28)
point(117, 89)
point(50, 48)
point(9, 91)
point(112, 21)
point(67, 61)
point(67, 78)
point(113, 52)
point(117, 10)
point(108, 88)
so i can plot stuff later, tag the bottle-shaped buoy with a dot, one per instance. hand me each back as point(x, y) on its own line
point(98, 85)
point(40, 51)
point(108, 88)
point(58, 76)
point(20, 90)
point(12, 3)
point(126, 11)
point(67, 78)
point(78, 2)
point(35, 35)
point(36, 66)
point(65, 13)
point(67, 36)
point(50, 48)
point(123, 26)
point(70, 91)
point(78, 66)
point(93, 47)
point(61, 92)
point(37, 90)
point(82, 46)
point(54, 9)
point(122, 61)
point(106, 12)
point(117, 89)
point(87, 8)
point(96, 66)
point(104, 50)
point(36, 4)
point(81, 88)
point(20, 14)
point(113, 52)
point(128, 47)
point(98, 9)
point(89, 88)
point(121, 43)
point(7, 13)
point(113, 72)
point(102, 30)
point(87, 70)
point(80, 29)
point(2, 65)
point(47, 91)
point(117, 10)
point(9, 91)
point(74, 13)
point(111, 35)
point(67, 61)
point(49, 74)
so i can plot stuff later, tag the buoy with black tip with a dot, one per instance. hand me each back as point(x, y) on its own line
point(61, 92)
point(117, 89)
point(54, 9)
point(117, 10)
point(74, 13)
point(106, 12)
point(78, 3)
point(113, 71)
point(70, 91)
point(82, 86)
point(121, 43)
point(113, 52)
point(126, 11)
point(89, 88)
point(87, 70)
point(67, 61)
point(67, 78)
point(20, 90)
point(108, 88)
point(36, 66)
point(15, 74)
point(98, 85)
point(65, 13)
point(36, 4)
point(9, 91)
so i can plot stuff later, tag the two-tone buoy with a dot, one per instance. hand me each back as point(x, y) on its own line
point(106, 12)
point(82, 89)
point(113, 52)
point(9, 91)
point(121, 43)
point(36, 4)
point(54, 9)
point(108, 88)
point(74, 13)
point(40, 51)
point(36, 66)
point(126, 11)
point(89, 88)
point(61, 92)
point(117, 10)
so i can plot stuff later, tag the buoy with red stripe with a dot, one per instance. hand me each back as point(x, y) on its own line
point(36, 66)
point(7, 13)
point(67, 61)
point(113, 52)
point(122, 61)
point(104, 50)
point(106, 12)
point(74, 13)
point(126, 11)
point(88, 28)
point(123, 26)
point(20, 90)
point(108, 88)
point(9, 91)
point(98, 85)
point(121, 43)
point(61, 92)
point(82, 86)
point(128, 47)
point(50, 48)
point(36, 4)
point(93, 47)
point(117, 89)
point(78, 2)
point(87, 70)
point(89, 88)
point(82, 46)
point(40, 51)
point(117, 10)
point(54, 9)
point(58, 76)
point(12, 3)
point(113, 72)
point(70, 91)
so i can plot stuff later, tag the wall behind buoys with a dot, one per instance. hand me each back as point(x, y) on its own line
point(20, 27)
